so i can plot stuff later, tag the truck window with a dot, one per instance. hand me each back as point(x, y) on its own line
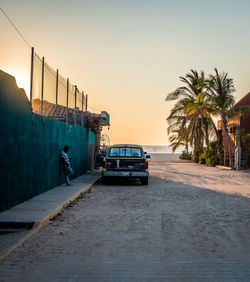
point(125, 152)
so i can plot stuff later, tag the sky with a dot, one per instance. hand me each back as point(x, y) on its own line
point(128, 55)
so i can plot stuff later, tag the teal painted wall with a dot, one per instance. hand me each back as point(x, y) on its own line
point(30, 147)
point(91, 137)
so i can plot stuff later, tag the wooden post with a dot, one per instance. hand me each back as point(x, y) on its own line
point(82, 108)
point(75, 105)
point(42, 86)
point(75, 95)
point(86, 102)
point(31, 75)
point(57, 79)
point(67, 102)
point(82, 100)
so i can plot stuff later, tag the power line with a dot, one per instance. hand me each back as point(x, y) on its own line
point(17, 30)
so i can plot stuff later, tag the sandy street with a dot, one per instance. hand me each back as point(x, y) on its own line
point(191, 223)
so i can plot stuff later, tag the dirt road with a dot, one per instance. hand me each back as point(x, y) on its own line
point(191, 223)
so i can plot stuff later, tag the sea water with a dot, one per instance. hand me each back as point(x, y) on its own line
point(162, 153)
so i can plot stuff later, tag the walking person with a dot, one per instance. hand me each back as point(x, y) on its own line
point(67, 170)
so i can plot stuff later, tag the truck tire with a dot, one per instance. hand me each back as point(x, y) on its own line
point(144, 180)
point(104, 180)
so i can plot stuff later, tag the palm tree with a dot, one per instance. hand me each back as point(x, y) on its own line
point(202, 108)
point(192, 112)
point(178, 137)
point(221, 90)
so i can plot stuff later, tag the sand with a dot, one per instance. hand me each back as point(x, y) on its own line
point(191, 223)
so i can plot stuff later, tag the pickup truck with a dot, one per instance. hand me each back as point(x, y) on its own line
point(125, 161)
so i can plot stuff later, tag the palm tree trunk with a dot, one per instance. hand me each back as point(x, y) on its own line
point(229, 144)
point(216, 131)
point(207, 137)
point(205, 123)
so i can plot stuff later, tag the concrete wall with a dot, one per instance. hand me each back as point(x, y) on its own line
point(167, 157)
point(30, 147)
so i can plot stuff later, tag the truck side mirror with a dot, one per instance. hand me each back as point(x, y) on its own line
point(148, 156)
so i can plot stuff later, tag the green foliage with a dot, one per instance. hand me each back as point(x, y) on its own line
point(177, 138)
point(246, 152)
point(211, 162)
point(190, 121)
point(246, 141)
point(196, 154)
point(202, 159)
point(220, 89)
point(214, 154)
point(185, 156)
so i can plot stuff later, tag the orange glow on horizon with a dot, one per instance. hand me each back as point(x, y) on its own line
point(21, 76)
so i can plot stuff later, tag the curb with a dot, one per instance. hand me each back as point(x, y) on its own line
point(224, 167)
point(39, 224)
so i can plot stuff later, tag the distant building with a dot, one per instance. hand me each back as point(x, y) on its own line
point(239, 122)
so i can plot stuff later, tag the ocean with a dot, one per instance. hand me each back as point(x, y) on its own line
point(162, 153)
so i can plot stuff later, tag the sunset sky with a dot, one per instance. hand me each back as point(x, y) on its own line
point(128, 55)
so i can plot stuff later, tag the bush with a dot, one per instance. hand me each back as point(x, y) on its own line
point(214, 154)
point(211, 162)
point(202, 159)
point(196, 154)
point(210, 156)
point(185, 156)
point(246, 151)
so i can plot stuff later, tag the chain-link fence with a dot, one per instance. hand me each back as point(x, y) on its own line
point(224, 160)
point(51, 94)
point(244, 158)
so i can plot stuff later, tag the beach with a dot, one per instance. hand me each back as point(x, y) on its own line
point(162, 153)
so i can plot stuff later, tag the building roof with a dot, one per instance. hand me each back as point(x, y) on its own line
point(245, 101)
point(241, 115)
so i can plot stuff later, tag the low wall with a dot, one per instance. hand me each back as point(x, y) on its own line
point(30, 147)
point(164, 157)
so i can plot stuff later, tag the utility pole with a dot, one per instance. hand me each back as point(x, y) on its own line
point(82, 108)
point(31, 75)
point(57, 80)
point(86, 102)
point(75, 105)
point(42, 86)
point(67, 102)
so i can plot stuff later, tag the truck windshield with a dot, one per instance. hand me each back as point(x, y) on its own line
point(125, 152)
